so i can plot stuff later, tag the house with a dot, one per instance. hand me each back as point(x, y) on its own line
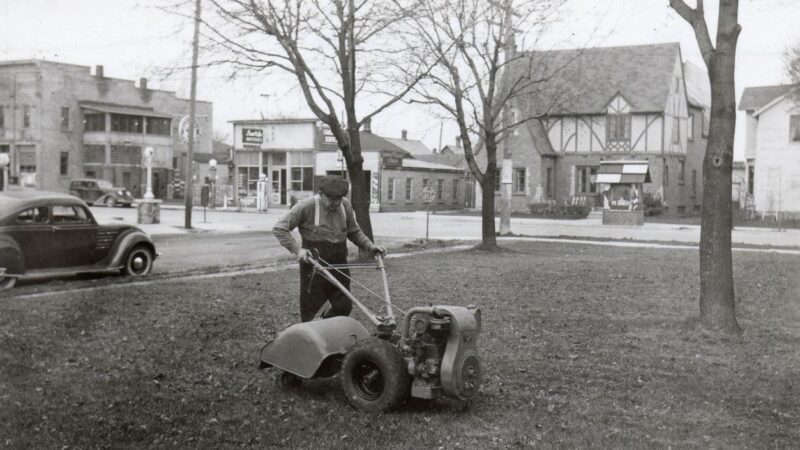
point(598, 104)
point(59, 121)
point(412, 146)
point(772, 149)
point(294, 153)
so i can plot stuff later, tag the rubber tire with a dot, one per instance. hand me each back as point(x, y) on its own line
point(110, 202)
point(287, 380)
point(138, 250)
point(7, 282)
point(379, 394)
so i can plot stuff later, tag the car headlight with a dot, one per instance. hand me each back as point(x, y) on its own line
point(121, 193)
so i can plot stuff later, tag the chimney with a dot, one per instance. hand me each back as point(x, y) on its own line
point(98, 71)
point(143, 83)
point(405, 135)
point(368, 125)
point(458, 141)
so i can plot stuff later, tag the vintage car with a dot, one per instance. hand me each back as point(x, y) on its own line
point(48, 234)
point(100, 192)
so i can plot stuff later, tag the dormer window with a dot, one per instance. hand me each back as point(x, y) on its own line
point(618, 127)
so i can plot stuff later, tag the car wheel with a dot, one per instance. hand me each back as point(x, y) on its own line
point(110, 202)
point(374, 376)
point(7, 282)
point(139, 261)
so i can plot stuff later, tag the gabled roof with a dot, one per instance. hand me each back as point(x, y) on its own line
point(583, 81)
point(371, 142)
point(757, 97)
point(698, 86)
point(452, 149)
point(412, 146)
point(447, 159)
point(409, 163)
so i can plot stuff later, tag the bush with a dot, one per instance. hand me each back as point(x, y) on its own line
point(653, 206)
point(560, 210)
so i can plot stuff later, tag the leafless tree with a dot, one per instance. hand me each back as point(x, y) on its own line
point(335, 51)
point(477, 76)
point(792, 60)
point(717, 305)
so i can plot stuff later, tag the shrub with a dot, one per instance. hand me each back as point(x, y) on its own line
point(559, 210)
point(653, 205)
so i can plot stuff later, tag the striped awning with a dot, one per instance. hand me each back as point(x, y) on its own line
point(623, 172)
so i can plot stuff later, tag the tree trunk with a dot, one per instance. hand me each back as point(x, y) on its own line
point(717, 304)
point(359, 196)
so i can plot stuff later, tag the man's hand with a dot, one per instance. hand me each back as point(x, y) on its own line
point(303, 255)
point(377, 249)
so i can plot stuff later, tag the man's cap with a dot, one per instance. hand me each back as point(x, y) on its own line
point(334, 186)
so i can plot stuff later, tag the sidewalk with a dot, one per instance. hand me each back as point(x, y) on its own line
point(412, 225)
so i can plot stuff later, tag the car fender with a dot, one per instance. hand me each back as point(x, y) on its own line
point(134, 237)
point(11, 256)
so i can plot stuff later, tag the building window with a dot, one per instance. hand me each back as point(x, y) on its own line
point(94, 122)
point(158, 126)
point(390, 189)
point(681, 170)
point(455, 191)
point(93, 153)
point(27, 168)
point(751, 178)
point(439, 189)
point(690, 127)
point(696, 209)
point(26, 116)
point(124, 123)
point(666, 174)
point(583, 180)
point(549, 183)
point(65, 118)
point(2, 116)
point(618, 127)
point(302, 178)
point(64, 163)
point(518, 180)
point(426, 183)
point(409, 185)
point(694, 183)
point(681, 209)
point(126, 154)
point(676, 130)
point(794, 128)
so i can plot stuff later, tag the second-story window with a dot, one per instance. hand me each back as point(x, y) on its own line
point(618, 127)
point(690, 127)
point(158, 125)
point(124, 123)
point(65, 118)
point(94, 122)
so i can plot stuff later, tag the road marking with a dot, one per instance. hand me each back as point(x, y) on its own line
point(290, 265)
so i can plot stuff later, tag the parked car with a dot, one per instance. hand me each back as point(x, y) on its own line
point(100, 192)
point(47, 234)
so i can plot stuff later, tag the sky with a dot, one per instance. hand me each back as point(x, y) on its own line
point(134, 39)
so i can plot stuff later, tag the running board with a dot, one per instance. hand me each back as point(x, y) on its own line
point(67, 271)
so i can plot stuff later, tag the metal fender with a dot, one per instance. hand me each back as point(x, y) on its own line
point(116, 256)
point(461, 365)
point(11, 259)
point(302, 348)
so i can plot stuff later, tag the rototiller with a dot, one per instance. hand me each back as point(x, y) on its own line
point(435, 353)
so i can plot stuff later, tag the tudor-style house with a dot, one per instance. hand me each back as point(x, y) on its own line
point(599, 104)
point(772, 149)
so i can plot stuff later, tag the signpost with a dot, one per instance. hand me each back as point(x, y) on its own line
point(427, 198)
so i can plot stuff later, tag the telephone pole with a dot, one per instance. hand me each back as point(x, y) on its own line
point(192, 123)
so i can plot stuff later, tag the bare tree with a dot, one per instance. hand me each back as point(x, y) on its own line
point(335, 50)
point(478, 75)
point(792, 60)
point(717, 305)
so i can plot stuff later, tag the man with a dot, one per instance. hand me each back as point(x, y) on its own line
point(326, 221)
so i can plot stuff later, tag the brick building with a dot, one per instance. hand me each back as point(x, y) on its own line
point(58, 121)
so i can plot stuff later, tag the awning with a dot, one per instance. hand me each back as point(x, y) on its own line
point(623, 172)
point(122, 109)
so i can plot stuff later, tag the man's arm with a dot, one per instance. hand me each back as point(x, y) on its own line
point(283, 228)
point(355, 234)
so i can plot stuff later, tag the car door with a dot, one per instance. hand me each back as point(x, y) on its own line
point(74, 236)
point(32, 232)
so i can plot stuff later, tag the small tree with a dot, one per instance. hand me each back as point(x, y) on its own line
point(335, 50)
point(717, 304)
point(472, 46)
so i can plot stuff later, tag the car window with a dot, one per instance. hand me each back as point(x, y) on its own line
point(33, 215)
point(69, 214)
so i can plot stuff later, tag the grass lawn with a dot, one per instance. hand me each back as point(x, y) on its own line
point(583, 346)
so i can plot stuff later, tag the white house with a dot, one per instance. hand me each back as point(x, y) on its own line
point(772, 149)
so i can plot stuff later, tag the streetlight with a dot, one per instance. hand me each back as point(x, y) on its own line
point(212, 171)
point(148, 159)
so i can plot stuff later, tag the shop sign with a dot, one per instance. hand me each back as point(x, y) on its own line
point(392, 161)
point(252, 136)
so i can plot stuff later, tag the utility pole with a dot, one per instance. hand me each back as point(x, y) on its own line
point(192, 113)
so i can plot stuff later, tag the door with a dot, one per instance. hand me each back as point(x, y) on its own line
point(279, 185)
point(32, 232)
point(74, 236)
point(157, 185)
